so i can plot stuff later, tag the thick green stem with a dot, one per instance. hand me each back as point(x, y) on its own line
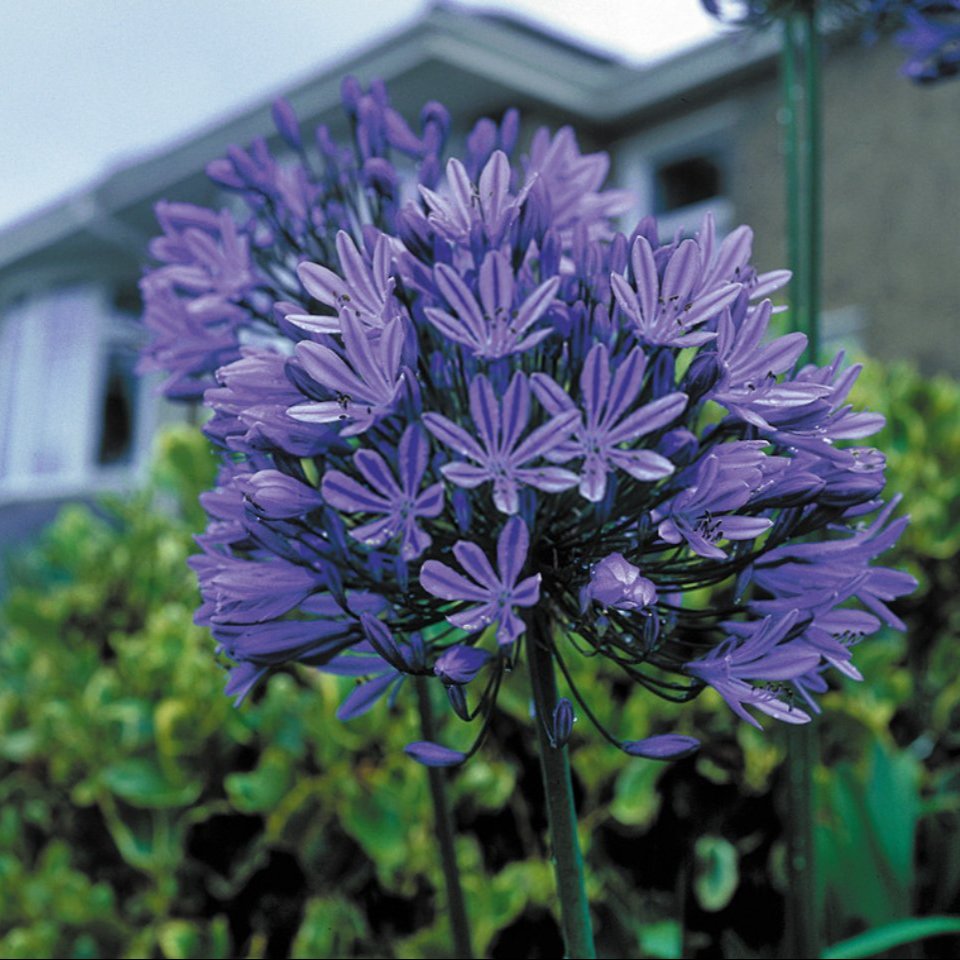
point(802, 150)
point(561, 813)
point(803, 160)
point(803, 915)
point(813, 178)
point(443, 817)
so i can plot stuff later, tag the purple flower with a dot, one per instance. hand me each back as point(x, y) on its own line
point(760, 653)
point(492, 327)
point(615, 582)
point(702, 513)
point(366, 380)
point(608, 425)
point(460, 664)
point(664, 312)
point(501, 456)
point(929, 30)
point(365, 292)
point(572, 182)
point(489, 207)
point(400, 504)
point(387, 382)
point(493, 594)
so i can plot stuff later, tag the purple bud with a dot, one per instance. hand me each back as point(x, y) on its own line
point(275, 496)
point(379, 175)
point(460, 664)
point(381, 639)
point(429, 171)
point(458, 700)
point(679, 446)
point(667, 746)
point(364, 697)
point(461, 509)
point(702, 374)
point(434, 754)
point(651, 631)
point(224, 173)
point(416, 657)
point(615, 582)
point(481, 142)
point(413, 230)
point(350, 95)
point(509, 130)
point(563, 717)
point(285, 120)
point(399, 134)
point(663, 373)
point(435, 124)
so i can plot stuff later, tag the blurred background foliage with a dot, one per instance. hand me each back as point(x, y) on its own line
point(141, 815)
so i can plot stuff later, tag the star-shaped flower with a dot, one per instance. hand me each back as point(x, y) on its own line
point(608, 425)
point(400, 504)
point(363, 393)
point(500, 455)
point(492, 593)
point(664, 312)
point(494, 327)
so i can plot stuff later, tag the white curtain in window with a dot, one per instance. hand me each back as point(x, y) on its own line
point(51, 372)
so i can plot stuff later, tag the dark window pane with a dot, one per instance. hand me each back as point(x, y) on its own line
point(684, 182)
point(118, 412)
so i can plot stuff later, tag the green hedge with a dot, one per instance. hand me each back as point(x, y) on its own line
point(141, 815)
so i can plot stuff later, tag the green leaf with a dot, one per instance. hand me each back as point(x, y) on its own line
point(140, 782)
point(261, 789)
point(636, 799)
point(330, 928)
point(891, 935)
point(19, 745)
point(663, 940)
point(717, 872)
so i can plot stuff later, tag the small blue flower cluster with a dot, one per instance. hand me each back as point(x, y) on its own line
point(929, 30)
point(450, 395)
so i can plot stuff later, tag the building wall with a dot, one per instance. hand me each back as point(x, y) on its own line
point(891, 199)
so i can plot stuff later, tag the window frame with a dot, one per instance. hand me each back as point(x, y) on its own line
point(700, 132)
point(21, 402)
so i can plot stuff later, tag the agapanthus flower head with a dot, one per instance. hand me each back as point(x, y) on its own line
point(464, 419)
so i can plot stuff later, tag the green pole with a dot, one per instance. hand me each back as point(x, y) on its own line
point(561, 814)
point(813, 177)
point(446, 834)
point(803, 162)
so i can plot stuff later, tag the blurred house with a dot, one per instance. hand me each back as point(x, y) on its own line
point(693, 133)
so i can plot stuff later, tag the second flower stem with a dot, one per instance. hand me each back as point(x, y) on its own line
point(561, 813)
point(446, 834)
point(803, 154)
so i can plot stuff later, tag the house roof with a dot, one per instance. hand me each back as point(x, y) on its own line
point(477, 63)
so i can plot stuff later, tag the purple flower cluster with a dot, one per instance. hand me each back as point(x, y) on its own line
point(929, 30)
point(451, 395)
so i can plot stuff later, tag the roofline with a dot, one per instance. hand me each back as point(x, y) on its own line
point(572, 81)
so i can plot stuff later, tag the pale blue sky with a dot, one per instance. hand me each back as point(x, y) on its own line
point(88, 84)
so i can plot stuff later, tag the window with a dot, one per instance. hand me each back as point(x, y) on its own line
point(686, 181)
point(71, 408)
point(681, 170)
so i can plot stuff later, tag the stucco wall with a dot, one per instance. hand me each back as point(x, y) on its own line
point(892, 199)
